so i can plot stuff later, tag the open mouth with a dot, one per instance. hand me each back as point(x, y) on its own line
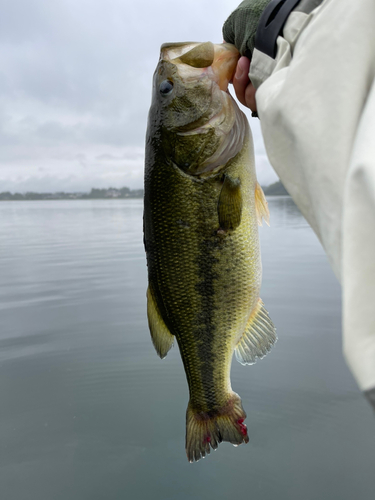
point(224, 64)
point(220, 58)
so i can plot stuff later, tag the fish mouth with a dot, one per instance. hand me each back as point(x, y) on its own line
point(224, 64)
point(218, 60)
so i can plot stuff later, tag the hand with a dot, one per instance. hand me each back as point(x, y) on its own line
point(243, 87)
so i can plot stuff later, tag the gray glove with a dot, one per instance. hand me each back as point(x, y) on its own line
point(242, 24)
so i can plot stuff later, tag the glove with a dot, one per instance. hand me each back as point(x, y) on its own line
point(242, 24)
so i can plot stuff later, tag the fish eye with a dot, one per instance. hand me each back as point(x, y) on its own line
point(166, 87)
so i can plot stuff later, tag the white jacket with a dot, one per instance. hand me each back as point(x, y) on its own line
point(316, 103)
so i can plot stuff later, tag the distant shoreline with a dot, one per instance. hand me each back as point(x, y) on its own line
point(94, 194)
point(276, 189)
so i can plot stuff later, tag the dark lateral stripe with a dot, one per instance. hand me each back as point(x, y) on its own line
point(204, 333)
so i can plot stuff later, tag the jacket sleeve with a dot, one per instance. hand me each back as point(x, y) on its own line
point(316, 103)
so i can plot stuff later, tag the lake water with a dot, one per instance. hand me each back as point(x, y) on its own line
point(89, 412)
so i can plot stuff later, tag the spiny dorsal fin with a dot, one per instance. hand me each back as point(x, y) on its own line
point(230, 204)
point(161, 336)
point(259, 336)
point(261, 206)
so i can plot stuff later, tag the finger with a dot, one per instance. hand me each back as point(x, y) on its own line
point(250, 97)
point(241, 79)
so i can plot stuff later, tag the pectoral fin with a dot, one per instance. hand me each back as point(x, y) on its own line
point(261, 206)
point(161, 336)
point(259, 336)
point(230, 204)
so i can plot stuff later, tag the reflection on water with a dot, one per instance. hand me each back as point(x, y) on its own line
point(88, 411)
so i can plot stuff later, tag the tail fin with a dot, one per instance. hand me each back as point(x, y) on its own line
point(209, 429)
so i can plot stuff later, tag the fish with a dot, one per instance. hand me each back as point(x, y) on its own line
point(202, 208)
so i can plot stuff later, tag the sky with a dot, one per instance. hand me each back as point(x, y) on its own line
point(75, 87)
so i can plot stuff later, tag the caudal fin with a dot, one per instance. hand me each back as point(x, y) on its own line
point(206, 430)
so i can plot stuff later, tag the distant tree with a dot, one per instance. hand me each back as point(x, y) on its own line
point(6, 195)
point(18, 196)
point(97, 193)
point(34, 196)
point(276, 189)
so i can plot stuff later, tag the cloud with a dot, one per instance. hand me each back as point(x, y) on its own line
point(75, 86)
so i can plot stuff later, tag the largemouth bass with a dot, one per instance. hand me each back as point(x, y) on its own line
point(201, 212)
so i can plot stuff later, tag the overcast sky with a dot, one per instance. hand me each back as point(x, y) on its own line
point(75, 87)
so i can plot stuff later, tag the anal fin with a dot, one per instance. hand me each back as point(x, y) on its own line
point(261, 206)
point(161, 336)
point(258, 338)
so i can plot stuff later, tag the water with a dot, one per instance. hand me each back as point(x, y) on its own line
point(89, 412)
